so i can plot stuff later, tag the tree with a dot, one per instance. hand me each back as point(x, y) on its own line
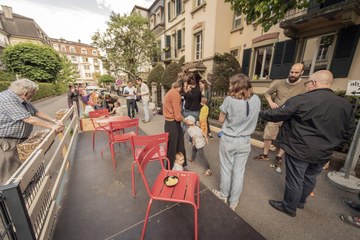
point(33, 61)
point(156, 74)
point(106, 79)
point(7, 76)
point(68, 73)
point(170, 75)
point(128, 44)
point(181, 61)
point(267, 13)
point(225, 66)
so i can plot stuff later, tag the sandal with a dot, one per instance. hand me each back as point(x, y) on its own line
point(262, 157)
point(208, 172)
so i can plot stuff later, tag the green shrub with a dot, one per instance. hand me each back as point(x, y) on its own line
point(156, 75)
point(225, 66)
point(181, 61)
point(170, 75)
point(7, 76)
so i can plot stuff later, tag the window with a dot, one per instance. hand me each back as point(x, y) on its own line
point(198, 45)
point(179, 39)
point(94, 52)
point(88, 75)
point(169, 11)
point(96, 68)
point(87, 67)
point(152, 24)
point(96, 61)
point(199, 2)
point(74, 58)
point(85, 59)
point(178, 7)
point(158, 17)
point(83, 51)
point(72, 49)
point(56, 47)
point(63, 48)
point(235, 53)
point(237, 23)
point(262, 62)
point(317, 53)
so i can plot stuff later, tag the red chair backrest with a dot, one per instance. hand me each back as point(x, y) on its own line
point(142, 141)
point(125, 124)
point(144, 158)
point(97, 114)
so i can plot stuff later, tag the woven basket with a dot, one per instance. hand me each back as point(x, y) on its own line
point(28, 146)
point(59, 114)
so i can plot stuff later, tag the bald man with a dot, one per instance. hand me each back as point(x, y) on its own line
point(278, 93)
point(314, 123)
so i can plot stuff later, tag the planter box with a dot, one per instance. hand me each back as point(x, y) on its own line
point(86, 124)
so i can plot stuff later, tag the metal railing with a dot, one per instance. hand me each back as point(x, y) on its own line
point(28, 200)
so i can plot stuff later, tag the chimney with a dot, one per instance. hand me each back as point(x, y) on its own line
point(7, 11)
point(79, 41)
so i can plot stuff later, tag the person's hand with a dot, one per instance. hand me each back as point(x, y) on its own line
point(58, 122)
point(273, 105)
point(58, 128)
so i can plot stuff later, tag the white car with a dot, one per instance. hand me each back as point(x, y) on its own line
point(99, 90)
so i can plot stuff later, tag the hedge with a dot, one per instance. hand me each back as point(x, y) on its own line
point(45, 89)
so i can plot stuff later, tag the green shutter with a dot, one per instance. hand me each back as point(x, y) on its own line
point(246, 61)
point(179, 43)
point(346, 44)
point(283, 59)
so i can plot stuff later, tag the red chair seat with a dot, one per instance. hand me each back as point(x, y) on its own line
point(123, 137)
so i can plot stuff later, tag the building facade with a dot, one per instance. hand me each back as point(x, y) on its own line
point(85, 58)
point(324, 36)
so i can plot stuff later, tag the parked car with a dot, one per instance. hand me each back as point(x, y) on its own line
point(99, 90)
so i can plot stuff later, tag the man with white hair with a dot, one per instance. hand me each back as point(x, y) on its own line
point(314, 123)
point(17, 118)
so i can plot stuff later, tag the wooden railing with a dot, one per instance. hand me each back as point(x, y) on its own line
point(29, 198)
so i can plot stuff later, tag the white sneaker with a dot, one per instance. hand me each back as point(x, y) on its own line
point(218, 194)
point(233, 205)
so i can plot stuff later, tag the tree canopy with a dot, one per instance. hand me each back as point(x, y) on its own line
point(68, 72)
point(106, 79)
point(127, 42)
point(267, 13)
point(33, 61)
point(156, 74)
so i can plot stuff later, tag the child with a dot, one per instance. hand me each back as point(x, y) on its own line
point(203, 117)
point(117, 110)
point(179, 161)
point(199, 140)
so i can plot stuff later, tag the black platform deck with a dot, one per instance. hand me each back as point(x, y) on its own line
point(98, 203)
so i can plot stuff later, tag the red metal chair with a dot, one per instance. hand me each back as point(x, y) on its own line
point(93, 116)
point(139, 142)
point(128, 129)
point(183, 192)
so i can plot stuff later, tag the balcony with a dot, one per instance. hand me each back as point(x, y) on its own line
point(319, 15)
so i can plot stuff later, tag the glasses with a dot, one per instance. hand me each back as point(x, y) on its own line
point(310, 81)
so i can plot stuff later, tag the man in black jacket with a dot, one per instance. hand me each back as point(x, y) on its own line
point(314, 124)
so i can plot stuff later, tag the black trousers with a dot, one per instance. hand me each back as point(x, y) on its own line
point(130, 104)
point(176, 141)
point(300, 181)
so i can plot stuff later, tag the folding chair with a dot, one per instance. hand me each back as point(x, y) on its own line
point(183, 192)
point(129, 128)
point(139, 142)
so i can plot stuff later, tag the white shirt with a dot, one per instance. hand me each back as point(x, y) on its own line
point(145, 94)
point(196, 132)
point(131, 92)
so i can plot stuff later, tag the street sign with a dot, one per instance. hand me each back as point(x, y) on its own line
point(353, 88)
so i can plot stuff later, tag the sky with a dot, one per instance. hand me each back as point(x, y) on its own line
point(72, 19)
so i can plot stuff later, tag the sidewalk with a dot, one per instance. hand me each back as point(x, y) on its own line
point(319, 219)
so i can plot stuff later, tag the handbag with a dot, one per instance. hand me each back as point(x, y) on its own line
point(138, 98)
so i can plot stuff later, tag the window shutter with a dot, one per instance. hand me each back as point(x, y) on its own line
point(283, 59)
point(168, 46)
point(344, 51)
point(246, 61)
point(169, 12)
point(179, 43)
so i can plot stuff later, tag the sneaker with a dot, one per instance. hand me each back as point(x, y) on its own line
point(208, 172)
point(219, 195)
point(233, 205)
point(262, 157)
point(278, 170)
point(355, 221)
point(210, 136)
point(351, 204)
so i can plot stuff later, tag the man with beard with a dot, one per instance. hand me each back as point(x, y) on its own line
point(277, 95)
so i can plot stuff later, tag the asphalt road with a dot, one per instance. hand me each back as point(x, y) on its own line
point(318, 221)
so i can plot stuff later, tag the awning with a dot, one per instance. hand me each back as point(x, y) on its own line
point(194, 67)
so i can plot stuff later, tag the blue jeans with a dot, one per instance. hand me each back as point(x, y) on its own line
point(234, 152)
point(300, 181)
